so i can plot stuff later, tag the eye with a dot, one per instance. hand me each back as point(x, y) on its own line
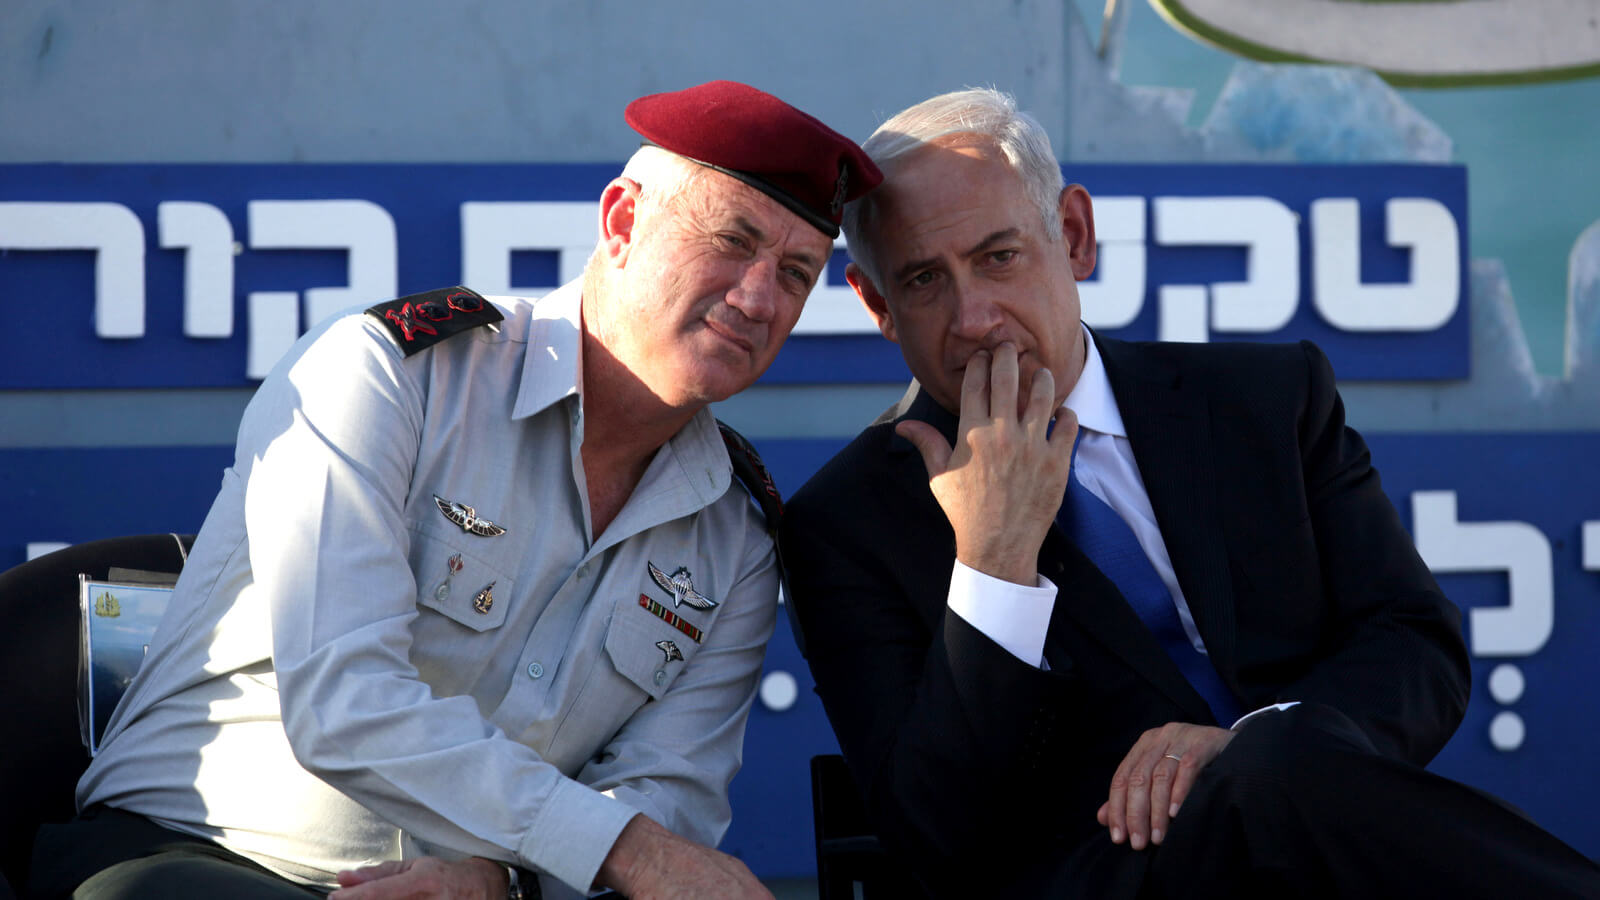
point(1001, 257)
point(734, 241)
point(799, 276)
point(921, 279)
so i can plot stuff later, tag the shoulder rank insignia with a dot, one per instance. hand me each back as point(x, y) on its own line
point(753, 475)
point(750, 471)
point(422, 320)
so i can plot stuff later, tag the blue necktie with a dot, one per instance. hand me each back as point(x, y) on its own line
point(1109, 543)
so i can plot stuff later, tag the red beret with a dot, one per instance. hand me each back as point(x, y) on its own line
point(762, 141)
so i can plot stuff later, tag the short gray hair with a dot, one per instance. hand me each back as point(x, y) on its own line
point(981, 111)
point(662, 175)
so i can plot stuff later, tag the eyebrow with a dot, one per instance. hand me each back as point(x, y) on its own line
point(760, 237)
point(1005, 234)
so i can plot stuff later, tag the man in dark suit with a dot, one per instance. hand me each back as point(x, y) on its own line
point(1102, 619)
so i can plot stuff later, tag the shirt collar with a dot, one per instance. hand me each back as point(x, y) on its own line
point(1091, 397)
point(553, 367)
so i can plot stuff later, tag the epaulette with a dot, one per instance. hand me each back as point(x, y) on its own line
point(755, 477)
point(757, 480)
point(422, 320)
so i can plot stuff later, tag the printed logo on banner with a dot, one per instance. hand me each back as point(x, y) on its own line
point(188, 275)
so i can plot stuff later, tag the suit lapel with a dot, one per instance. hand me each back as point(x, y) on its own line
point(1170, 429)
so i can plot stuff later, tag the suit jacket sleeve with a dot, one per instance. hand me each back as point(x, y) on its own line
point(1392, 655)
point(945, 731)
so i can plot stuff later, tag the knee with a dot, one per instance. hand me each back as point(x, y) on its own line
point(1279, 757)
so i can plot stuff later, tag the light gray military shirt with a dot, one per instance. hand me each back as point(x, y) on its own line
point(349, 674)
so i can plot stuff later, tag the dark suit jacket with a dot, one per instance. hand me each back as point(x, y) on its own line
point(1302, 581)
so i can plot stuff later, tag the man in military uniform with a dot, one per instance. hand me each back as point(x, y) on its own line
point(478, 608)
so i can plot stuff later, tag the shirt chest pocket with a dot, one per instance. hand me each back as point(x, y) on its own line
point(648, 644)
point(456, 582)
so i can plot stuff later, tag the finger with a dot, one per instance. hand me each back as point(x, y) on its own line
point(1003, 378)
point(1041, 403)
point(1065, 432)
point(352, 877)
point(975, 391)
point(1167, 769)
point(929, 442)
point(1181, 783)
point(1130, 790)
point(1117, 802)
point(1138, 803)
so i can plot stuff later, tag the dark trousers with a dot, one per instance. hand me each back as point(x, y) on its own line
point(108, 854)
point(1301, 805)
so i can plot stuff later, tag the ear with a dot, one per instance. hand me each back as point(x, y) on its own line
point(1077, 230)
point(877, 306)
point(619, 208)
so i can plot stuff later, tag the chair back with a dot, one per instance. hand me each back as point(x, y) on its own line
point(43, 754)
point(848, 852)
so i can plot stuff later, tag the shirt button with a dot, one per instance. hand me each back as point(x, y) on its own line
point(535, 670)
point(661, 677)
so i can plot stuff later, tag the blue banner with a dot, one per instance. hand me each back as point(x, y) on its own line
point(152, 276)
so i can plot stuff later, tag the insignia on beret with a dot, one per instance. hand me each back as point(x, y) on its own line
point(762, 141)
point(422, 320)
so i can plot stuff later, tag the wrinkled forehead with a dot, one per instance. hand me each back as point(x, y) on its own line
point(718, 201)
point(947, 191)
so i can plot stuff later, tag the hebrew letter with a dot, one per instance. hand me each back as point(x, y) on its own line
point(204, 232)
point(1425, 303)
point(1115, 298)
point(1516, 548)
point(1266, 300)
point(360, 226)
point(490, 231)
point(1182, 314)
point(110, 229)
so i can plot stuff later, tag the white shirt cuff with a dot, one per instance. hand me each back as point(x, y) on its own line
point(1276, 707)
point(1012, 615)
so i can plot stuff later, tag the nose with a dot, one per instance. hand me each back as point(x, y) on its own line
point(977, 312)
point(756, 293)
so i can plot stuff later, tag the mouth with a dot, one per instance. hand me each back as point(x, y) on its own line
point(730, 336)
point(960, 366)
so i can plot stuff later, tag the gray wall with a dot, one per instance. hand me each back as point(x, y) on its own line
point(494, 80)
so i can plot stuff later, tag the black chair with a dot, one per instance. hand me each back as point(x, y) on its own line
point(43, 753)
point(848, 853)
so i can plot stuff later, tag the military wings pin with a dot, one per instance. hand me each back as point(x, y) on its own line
point(681, 587)
point(467, 518)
